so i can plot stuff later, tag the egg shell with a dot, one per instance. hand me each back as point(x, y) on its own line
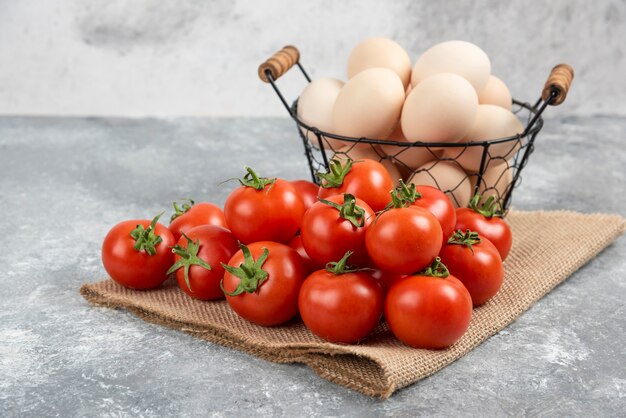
point(380, 52)
point(406, 156)
point(371, 152)
point(369, 104)
point(492, 122)
point(439, 109)
point(458, 57)
point(447, 177)
point(315, 108)
point(496, 181)
point(496, 93)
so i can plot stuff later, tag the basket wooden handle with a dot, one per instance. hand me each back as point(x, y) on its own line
point(279, 63)
point(560, 80)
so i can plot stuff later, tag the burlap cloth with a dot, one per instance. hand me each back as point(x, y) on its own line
point(547, 248)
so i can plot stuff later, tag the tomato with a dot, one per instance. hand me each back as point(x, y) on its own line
point(386, 279)
point(137, 253)
point(426, 311)
point(488, 222)
point(340, 305)
point(433, 200)
point(404, 240)
point(309, 264)
point(198, 257)
point(194, 214)
point(366, 179)
point(336, 225)
point(262, 282)
point(307, 191)
point(476, 262)
point(263, 209)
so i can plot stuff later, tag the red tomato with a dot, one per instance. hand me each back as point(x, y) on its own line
point(366, 179)
point(309, 264)
point(137, 253)
point(437, 203)
point(386, 279)
point(404, 240)
point(476, 262)
point(428, 312)
point(341, 306)
point(198, 257)
point(264, 210)
point(307, 191)
point(486, 221)
point(334, 226)
point(195, 214)
point(265, 291)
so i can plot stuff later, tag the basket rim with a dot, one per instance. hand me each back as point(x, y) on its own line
point(523, 105)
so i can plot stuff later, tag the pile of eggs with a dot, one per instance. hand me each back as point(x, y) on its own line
point(449, 96)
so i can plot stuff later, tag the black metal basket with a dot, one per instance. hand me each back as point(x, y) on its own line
point(501, 160)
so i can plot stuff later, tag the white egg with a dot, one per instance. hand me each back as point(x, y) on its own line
point(447, 177)
point(458, 57)
point(315, 107)
point(406, 156)
point(492, 122)
point(369, 104)
point(496, 93)
point(439, 109)
point(380, 52)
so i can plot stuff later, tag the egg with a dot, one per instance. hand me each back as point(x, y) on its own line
point(409, 157)
point(441, 108)
point(369, 104)
point(315, 108)
point(496, 181)
point(458, 57)
point(496, 92)
point(371, 152)
point(448, 177)
point(380, 52)
point(492, 122)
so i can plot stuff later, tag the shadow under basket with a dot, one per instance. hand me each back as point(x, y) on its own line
point(490, 167)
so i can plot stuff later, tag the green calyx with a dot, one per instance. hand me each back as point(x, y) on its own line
point(145, 238)
point(341, 267)
point(336, 173)
point(436, 269)
point(249, 272)
point(188, 257)
point(252, 179)
point(182, 209)
point(349, 211)
point(489, 209)
point(407, 193)
point(467, 238)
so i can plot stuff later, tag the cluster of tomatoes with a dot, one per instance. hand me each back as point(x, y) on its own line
point(341, 254)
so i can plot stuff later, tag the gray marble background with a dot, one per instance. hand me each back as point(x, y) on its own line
point(199, 58)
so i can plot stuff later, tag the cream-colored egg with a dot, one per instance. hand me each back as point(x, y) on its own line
point(458, 57)
point(380, 52)
point(496, 93)
point(369, 104)
point(439, 109)
point(492, 122)
point(315, 108)
point(496, 181)
point(406, 156)
point(447, 177)
point(371, 152)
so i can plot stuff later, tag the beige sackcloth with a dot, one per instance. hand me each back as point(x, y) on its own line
point(547, 248)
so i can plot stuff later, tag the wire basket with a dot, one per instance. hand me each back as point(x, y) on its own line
point(491, 168)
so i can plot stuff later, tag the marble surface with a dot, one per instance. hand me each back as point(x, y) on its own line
point(64, 182)
point(191, 57)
